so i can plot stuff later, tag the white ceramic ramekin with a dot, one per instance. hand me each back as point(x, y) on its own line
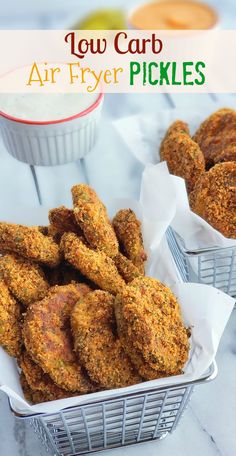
point(54, 142)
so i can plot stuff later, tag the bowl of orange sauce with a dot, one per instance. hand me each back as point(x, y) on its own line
point(173, 15)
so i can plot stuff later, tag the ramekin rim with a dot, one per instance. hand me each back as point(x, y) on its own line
point(83, 113)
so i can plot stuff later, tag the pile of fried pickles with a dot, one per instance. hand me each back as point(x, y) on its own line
point(76, 310)
point(207, 162)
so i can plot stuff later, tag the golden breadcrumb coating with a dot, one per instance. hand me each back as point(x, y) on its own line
point(10, 322)
point(149, 321)
point(28, 393)
point(126, 268)
point(214, 198)
point(29, 243)
point(48, 339)
point(53, 233)
point(38, 380)
point(63, 220)
point(227, 155)
point(183, 156)
point(128, 232)
point(37, 397)
point(216, 135)
point(95, 265)
point(91, 215)
point(178, 127)
point(99, 349)
point(25, 279)
point(144, 369)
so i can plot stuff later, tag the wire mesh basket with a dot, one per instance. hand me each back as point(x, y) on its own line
point(146, 415)
point(214, 266)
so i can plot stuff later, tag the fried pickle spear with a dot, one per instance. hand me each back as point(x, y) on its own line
point(183, 156)
point(25, 279)
point(29, 243)
point(38, 380)
point(96, 342)
point(151, 328)
point(128, 231)
point(126, 268)
point(95, 265)
point(91, 215)
point(48, 340)
point(10, 322)
point(214, 198)
point(216, 136)
point(63, 220)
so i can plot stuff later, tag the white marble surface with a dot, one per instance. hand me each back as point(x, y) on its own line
point(208, 426)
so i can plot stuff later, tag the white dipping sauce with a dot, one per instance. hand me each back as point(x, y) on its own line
point(45, 107)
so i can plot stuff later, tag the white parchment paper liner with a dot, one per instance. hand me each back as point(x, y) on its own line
point(205, 309)
point(143, 135)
